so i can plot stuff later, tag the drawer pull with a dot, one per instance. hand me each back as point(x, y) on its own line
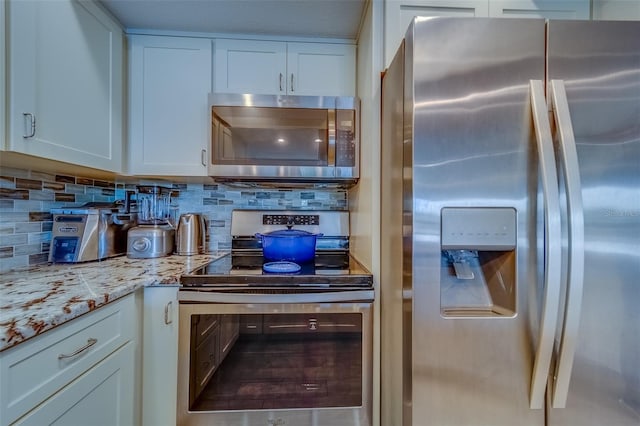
point(167, 313)
point(90, 343)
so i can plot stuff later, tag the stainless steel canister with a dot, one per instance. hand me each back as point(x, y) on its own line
point(191, 234)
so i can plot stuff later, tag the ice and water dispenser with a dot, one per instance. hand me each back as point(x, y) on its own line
point(478, 262)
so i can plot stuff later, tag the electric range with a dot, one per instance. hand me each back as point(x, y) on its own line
point(332, 268)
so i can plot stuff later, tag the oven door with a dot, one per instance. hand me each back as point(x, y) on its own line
point(275, 359)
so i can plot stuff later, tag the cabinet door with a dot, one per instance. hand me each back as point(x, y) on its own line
point(250, 66)
point(65, 82)
point(616, 10)
point(170, 80)
point(549, 9)
point(398, 15)
point(160, 366)
point(104, 395)
point(321, 69)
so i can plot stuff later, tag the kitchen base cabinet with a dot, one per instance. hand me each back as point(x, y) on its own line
point(65, 82)
point(170, 80)
point(160, 353)
point(103, 396)
point(86, 366)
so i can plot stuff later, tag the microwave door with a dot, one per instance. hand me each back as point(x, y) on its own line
point(290, 143)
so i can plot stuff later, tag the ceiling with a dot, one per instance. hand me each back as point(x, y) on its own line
point(293, 18)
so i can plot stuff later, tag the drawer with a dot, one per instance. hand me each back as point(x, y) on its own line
point(34, 370)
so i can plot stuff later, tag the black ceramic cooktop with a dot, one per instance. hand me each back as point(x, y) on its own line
point(327, 269)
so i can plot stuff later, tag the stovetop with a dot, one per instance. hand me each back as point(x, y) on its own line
point(246, 269)
point(332, 268)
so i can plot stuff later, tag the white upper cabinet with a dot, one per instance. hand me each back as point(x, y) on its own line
point(616, 10)
point(280, 68)
point(250, 66)
point(65, 83)
point(398, 15)
point(549, 9)
point(321, 69)
point(170, 80)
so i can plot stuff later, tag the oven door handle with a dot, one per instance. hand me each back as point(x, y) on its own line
point(241, 298)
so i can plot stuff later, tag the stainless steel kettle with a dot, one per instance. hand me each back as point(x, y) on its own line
point(191, 234)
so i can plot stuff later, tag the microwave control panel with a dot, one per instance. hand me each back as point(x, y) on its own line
point(345, 149)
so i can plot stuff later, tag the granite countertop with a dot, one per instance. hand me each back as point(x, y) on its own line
point(36, 299)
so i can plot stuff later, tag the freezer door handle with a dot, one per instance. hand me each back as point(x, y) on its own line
point(575, 258)
point(552, 245)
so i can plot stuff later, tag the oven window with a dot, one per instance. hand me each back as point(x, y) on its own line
point(270, 136)
point(275, 361)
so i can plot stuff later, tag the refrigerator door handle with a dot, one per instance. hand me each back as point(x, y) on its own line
point(575, 261)
point(552, 245)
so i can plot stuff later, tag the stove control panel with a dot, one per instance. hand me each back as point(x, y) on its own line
point(290, 220)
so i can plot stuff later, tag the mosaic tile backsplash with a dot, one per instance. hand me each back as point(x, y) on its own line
point(27, 196)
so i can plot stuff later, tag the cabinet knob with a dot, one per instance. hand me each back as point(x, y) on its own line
point(292, 89)
point(281, 82)
point(203, 157)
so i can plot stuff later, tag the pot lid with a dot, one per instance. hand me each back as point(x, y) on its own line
point(289, 233)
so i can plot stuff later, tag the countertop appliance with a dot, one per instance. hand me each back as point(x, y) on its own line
point(191, 234)
point(154, 236)
point(283, 348)
point(93, 231)
point(510, 260)
point(297, 140)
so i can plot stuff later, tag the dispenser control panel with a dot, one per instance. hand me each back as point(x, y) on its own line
point(478, 228)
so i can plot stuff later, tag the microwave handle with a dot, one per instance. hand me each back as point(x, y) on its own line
point(331, 143)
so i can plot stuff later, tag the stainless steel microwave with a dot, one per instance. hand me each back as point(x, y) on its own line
point(284, 139)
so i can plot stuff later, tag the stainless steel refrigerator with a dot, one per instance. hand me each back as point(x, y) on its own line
point(510, 224)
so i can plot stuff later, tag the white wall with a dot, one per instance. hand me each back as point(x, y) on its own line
point(364, 199)
point(2, 77)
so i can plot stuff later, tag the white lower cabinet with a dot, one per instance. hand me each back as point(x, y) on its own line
point(160, 353)
point(80, 373)
point(103, 396)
